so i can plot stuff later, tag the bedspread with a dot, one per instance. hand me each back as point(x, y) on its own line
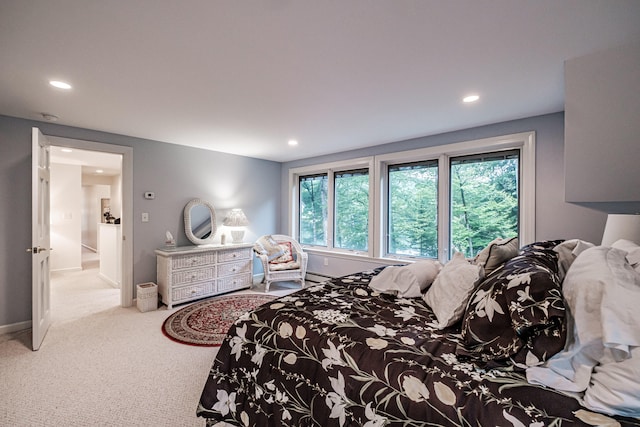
point(340, 354)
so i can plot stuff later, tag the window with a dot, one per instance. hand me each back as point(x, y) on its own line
point(413, 209)
point(484, 200)
point(351, 228)
point(422, 203)
point(313, 210)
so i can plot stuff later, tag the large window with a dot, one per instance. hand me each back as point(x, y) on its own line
point(351, 212)
point(484, 200)
point(424, 203)
point(313, 210)
point(413, 209)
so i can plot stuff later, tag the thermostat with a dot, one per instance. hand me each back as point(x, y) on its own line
point(150, 195)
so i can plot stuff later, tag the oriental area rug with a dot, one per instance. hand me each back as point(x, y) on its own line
point(205, 323)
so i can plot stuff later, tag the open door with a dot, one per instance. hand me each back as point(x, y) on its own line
point(40, 238)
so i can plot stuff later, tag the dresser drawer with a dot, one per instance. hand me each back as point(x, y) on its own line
point(234, 282)
point(193, 291)
point(192, 260)
point(234, 254)
point(190, 276)
point(232, 268)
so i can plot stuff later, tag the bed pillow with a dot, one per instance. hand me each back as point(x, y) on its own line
point(407, 281)
point(450, 292)
point(567, 252)
point(496, 253)
point(266, 245)
point(518, 312)
point(487, 334)
point(287, 254)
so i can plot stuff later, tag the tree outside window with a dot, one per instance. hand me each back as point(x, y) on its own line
point(484, 200)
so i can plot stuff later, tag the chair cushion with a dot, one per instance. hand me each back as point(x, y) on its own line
point(291, 265)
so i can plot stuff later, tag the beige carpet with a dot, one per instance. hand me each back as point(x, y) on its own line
point(101, 364)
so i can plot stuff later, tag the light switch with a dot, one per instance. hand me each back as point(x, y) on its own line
point(145, 217)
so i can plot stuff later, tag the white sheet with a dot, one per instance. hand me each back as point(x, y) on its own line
point(602, 293)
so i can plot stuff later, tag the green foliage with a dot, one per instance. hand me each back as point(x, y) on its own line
point(484, 203)
point(352, 211)
point(313, 210)
point(413, 212)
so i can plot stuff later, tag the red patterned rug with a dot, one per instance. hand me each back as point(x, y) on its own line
point(205, 323)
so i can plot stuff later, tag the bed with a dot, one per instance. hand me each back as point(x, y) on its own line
point(345, 353)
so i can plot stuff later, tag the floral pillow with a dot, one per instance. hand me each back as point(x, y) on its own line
point(518, 311)
point(287, 254)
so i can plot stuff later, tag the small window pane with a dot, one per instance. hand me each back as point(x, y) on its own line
point(313, 210)
point(352, 210)
point(484, 200)
point(413, 209)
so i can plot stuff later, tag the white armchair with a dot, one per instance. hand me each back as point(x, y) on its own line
point(282, 259)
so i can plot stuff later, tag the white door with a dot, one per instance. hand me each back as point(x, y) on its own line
point(40, 238)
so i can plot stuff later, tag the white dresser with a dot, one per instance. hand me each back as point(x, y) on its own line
point(192, 272)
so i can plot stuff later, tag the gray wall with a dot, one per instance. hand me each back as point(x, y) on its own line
point(602, 135)
point(555, 219)
point(176, 174)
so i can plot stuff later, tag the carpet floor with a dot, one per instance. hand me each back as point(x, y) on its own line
point(101, 364)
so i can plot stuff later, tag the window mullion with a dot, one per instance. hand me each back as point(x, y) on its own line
point(330, 208)
point(444, 211)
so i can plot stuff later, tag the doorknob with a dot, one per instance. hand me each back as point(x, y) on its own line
point(36, 250)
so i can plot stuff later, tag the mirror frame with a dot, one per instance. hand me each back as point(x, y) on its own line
point(187, 222)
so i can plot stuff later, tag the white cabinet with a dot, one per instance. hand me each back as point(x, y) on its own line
point(193, 272)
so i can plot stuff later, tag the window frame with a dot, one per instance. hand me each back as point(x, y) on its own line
point(330, 169)
point(378, 205)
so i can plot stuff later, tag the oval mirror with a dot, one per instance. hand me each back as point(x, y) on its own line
point(200, 222)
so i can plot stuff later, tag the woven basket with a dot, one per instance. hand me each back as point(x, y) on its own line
point(147, 296)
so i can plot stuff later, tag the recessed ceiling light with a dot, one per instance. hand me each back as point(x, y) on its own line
point(293, 142)
point(470, 98)
point(67, 150)
point(99, 171)
point(49, 117)
point(59, 84)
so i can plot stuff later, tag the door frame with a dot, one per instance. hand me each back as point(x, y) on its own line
point(126, 289)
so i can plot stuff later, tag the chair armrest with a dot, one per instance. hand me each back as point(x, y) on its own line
point(264, 260)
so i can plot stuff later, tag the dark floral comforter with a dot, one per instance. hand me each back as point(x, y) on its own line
point(339, 354)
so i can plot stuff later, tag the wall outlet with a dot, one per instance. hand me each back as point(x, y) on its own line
point(326, 261)
point(145, 217)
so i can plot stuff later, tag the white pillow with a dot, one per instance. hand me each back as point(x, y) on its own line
point(450, 292)
point(497, 252)
point(406, 281)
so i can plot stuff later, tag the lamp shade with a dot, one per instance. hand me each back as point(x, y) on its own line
point(621, 227)
point(235, 218)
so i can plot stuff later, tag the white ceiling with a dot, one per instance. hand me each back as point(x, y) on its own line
point(244, 77)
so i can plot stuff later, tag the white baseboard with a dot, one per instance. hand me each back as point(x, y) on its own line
point(109, 281)
point(317, 277)
point(15, 327)
point(60, 270)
